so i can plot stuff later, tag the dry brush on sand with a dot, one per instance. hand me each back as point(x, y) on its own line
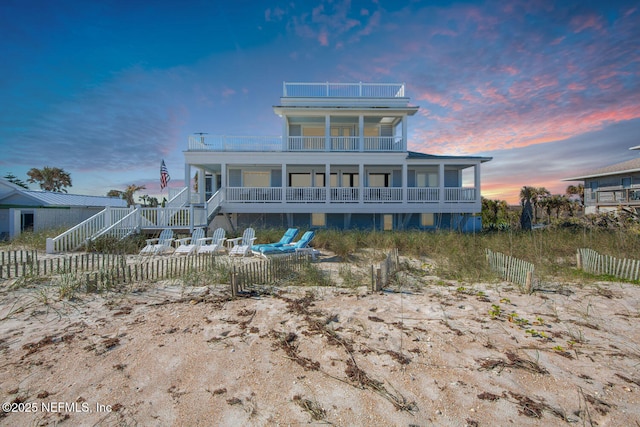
point(425, 351)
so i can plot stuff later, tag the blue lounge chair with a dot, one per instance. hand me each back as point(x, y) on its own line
point(290, 248)
point(286, 239)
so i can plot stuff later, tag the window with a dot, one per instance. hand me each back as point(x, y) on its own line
point(626, 182)
point(426, 220)
point(348, 180)
point(378, 180)
point(299, 180)
point(387, 220)
point(256, 179)
point(425, 179)
point(318, 220)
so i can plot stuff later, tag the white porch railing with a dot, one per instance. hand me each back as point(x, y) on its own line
point(383, 143)
point(345, 195)
point(253, 194)
point(423, 195)
point(306, 194)
point(306, 143)
point(345, 143)
point(459, 194)
point(381, 195)
point(343, 90)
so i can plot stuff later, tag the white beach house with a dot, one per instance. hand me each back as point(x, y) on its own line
point(341, 162)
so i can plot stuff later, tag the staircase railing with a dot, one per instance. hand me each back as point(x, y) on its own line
point(126, 226)
point(214, 203)
point(76, 236)
point(180, 199)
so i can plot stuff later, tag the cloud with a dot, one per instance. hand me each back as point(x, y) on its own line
point(120, 125)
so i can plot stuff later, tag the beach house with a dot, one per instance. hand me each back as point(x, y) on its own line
point(342, 161)
point(612, 187)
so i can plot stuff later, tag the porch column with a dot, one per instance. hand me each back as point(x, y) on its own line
point(476, 182)
point(360, 182)
point(202, 185)
point(327, 182)
point(441, 182)
point(285, 134)
point(187, 174)
point(361, 131)
point(327, 132)
point(223, 175)
point(404, 133)
point(284, 183)
point(405, 183)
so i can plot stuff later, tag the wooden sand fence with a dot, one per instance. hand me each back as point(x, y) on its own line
point(267, 272)
point(30, 265)
point(592, 262)
point(383, 272)
point(512, 269)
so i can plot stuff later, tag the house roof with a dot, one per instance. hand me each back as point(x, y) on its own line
point(16, 195)
point(628, 166)
point(417, 155)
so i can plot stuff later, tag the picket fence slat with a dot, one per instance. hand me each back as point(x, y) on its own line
point(509, 268)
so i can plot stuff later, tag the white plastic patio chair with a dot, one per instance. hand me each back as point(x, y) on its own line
point(160, 245)
point(194, 242)
point(242, 245)
point(216, 242)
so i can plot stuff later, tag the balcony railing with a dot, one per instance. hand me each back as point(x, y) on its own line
point(348, 195)
point(343, 90)
point(294, 143)
point(626, 196)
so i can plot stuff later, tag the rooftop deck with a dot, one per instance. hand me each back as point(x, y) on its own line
point(342, 90)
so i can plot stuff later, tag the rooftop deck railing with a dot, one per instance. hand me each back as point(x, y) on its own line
point(343, 90)
point(293, 143)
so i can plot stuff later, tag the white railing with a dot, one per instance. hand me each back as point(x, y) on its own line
point(253, 194)
point(345, 143)
point(343, 90)
point(423, 195)
point(306, 143)
point(129, 224)
point(383, 143)
point(234, 143)
point(214, 202)
point(179, 199)
point(459, 194)
point(381, 195)
point(306, 194)
point(166, 217)
point(345, 195)
point(78, 235)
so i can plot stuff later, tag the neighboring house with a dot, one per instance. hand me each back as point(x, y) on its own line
point(22, 209)
point(613, 187)
point(342, 162)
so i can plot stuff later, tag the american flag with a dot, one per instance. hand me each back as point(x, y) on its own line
point(164, 175)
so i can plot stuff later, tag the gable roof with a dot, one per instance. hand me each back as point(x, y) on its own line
point(628, 166)
point(16, 195)
point(417, 155)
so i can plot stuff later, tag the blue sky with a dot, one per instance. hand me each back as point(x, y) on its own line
point(107, 89)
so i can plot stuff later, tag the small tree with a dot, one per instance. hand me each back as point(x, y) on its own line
point(50, 179)
point(15, 180)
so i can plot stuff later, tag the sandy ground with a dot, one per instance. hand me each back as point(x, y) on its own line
point(429, 352)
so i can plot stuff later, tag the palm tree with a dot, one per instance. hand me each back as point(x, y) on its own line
point(576, 190)
point(50, 179)
point(127, 194)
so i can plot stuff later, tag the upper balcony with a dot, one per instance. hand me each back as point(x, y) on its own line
point(377, 95)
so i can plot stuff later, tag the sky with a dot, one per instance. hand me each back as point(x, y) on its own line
point(107, 89)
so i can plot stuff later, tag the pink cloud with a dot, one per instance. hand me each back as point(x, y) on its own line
point(586, 22)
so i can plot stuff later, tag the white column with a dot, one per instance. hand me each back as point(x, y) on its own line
point(284, 182)
point(476, 182)
point(441, 182)
point(405, 183)
point(327, 182)
point(202, 185)
point(361, 128)
point(327, 132)
point(404, 133)
point(187, 174)
point(361, 182)
point(285, 134)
